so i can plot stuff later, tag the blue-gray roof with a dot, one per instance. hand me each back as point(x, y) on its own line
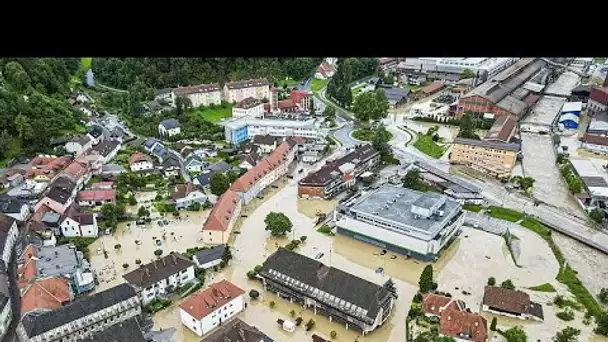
point(170, 123)
point(220, 166)
point(208, 255)
point(204, 178)
point(396, 94)
point(159, 151)
point(150, 142)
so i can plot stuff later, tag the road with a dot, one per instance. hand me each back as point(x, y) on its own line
point(182, 166)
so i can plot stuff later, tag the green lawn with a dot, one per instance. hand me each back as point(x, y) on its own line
point(366, 134)
point(317, 85)
point(546, 287)
point(14, 148)
point(426, 145)
point(213, 114)
point(412, 87)
point(85, 63)
point(290, 82)
point(504, 214)
point(472, 207)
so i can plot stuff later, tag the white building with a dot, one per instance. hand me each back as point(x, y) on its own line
point(82, 224)
point(200, 96)
point(249, 107)
point(199, 316)
point(79, 144)
point(221, 220)
point(14, 207)
point(169, 127)
point(449, 69)
point(240, 90)
point(8, 237)
point(161, 276)
point(208, 258)
point(140, 162)
point(239, 130)
point(6, 313)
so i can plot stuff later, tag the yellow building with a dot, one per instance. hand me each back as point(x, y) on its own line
point(493, 157)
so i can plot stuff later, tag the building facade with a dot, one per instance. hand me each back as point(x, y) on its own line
point(200, 96)
point(415, 224)
point(492, 157)
point(240, 90)
point(249, 107)
point(239, 130)
point(209, 308)
point(140, 162)
point(221, 220)
point(8, 237)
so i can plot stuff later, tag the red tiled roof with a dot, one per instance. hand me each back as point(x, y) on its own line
point(285, 104)
point(28, 271)
point(502, 128)
point(433, 87)
point(39, 213)
point(48, 293)
point(139, 157)
point(220, 216)
point(206, 301)
point(595, 139)
point(506, 300)
point(276, 158)
point(97, 195)
point(75, 170)
point(47, 166)
point(297, 95)
point(433, 304)
point(531, 98)
point(599, 94)
point(100, 185)
point(202, 88)
point(464, 325)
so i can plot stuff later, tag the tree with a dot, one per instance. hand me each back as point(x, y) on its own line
point(491, 281)
point(329, 112)
point(493, 324)
point(363, 107)
point(603, 296)
point(158, 252)
point(227, 254)
point(143, 212)
point(232, 176)
point(568, 334)
point(467, 127)
point(380, 141)
point(388, 79)
point(117, 246)
point(466, 74)
point(596, 215)
point(602, 324)
point(278, 224)
point(195, 206)
point(5, 139)
point(23, 127)
point(381, 105)
point(272, 304)
point(333, 334)
point(132, 200)
point(125, 265)
point(516, 334)
point(507, 284)
point(426, 279)
point(16, 76)
point(254, 294)
point(411, 179)
point(303, 238)
point(219, 184)
point(112, 213)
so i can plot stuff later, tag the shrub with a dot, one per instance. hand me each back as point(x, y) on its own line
point(418, 298)
point(566, 315)
point(125, 265)
point(333, 334)
point(493, 324)
point(603, 296)
point(254, 294)
point(303, 238)
point(137, 261)
point(507, 284)
point(117, 246)
point(310, 324)
point(491, 281)
point(272, 304)
point(158, 252)
point(292, 313)
point(257, 268)
point(251, 274)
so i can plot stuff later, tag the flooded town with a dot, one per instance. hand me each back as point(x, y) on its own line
point(441, 200)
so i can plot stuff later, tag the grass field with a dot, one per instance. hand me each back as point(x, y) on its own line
point(426, 145)
point(543, 288)
point(213, 114)
point(365, 134)
point(504, 213)
point(85, 63)
point(290, 82)
point(472, 207)
point(317, 85)
point(14, 148)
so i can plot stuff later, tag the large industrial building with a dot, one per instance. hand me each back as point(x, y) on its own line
point(450, 69)
point(239, 130)
point(419, 225)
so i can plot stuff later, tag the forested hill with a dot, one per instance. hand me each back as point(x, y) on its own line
point(33, 106)
point(170, 72)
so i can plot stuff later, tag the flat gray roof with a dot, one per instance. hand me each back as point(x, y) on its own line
point(488, 144)
point(400, 211)
point(58, 260)
point(545, 110)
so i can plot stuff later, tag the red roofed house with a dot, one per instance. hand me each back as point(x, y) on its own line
point(93, 198)
point(455, 319)
point(209, 308)
point(45, 168)
point(432, 88)
point(140, 162)
point(324, 71)
point(301, 98)
point(102, 186)
point(218, 226)
point(78, 173)
point(287, 106)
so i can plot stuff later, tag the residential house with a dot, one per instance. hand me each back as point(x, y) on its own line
point(396, 96)
point(265, 143)
point(338, 175)
point(493, 157)
point(112, 170)
point(150, 144)
point(598, 98)
point(237, 331)
point(39, 234)
point(455, 319)
point(184, 195)
point(220, 167)
point(106, 185)
point(45, 294)
point(248, 107)
point(6, 312)
point(210, 257)
point(511, 303)
point(50, 219)
point(60, 196)
point(194, 163)
point(82, 318)
point(14, 207)
point(95, 198)
point(56, 261)
point(310, 157)
point(240, 90)
point(355, 302)
point(78, 173)
point(118, 134)
point(248, 161)
point(79, 144)
point(96, 134)
point(171, 166)
point(169, 127)
point(160, 152)
point(200, 95)
point(203, 179)
point(128, 330)
point(209, 308)
point(44, 167)
point(161, 276)
point(219, 223)
point(324, 71)
point(163, 95)
point(106, 150)
point(432, 88)
point(76, 223)
point(12, 178)
point(8, 238)
point(140, 162)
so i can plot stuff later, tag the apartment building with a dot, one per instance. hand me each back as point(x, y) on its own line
point(240, 90)
point(412, 223)
point(221, 220)
point(75, 223)
point(8, 237)
point(338, 175)
point(209, 308)
point(249, 107)
point(128, 330)
point(202, 95)
point(95, 198)
point(82, 318)
point(239, 130)
point(355, 302)
point(160, 276)
point(493, 157)
point(598, 98)
point(6, 311)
